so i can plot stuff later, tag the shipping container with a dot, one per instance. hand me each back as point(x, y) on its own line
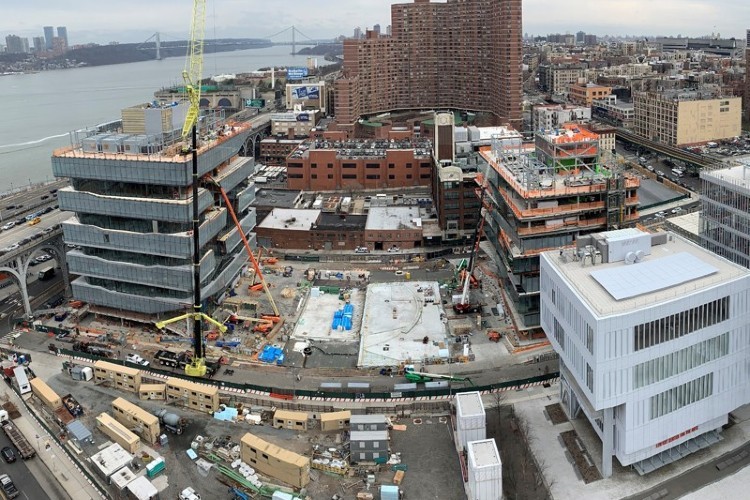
point(471, 420)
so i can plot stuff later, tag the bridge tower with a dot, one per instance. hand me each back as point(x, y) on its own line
point(294, 42)
point(158, 46)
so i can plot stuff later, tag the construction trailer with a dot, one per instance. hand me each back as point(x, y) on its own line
point(294, 420)
point(121, 377)
point(368, 446)
point(21, 380)
point(46, 395)
point(368, 423)
point(471, 420)
point(200, 397)
point(273, 461)
point(335, 421)
point(118, 433)
point(155, 392)
point(137, 420)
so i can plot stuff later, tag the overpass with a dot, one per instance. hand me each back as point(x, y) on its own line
point(19, 244)
point(665, 149)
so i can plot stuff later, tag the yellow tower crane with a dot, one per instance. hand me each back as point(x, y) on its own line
point(192, 75)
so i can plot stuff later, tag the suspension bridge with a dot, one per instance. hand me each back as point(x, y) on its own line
point(290, 36)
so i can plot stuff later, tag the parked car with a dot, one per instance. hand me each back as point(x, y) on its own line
point(46, 196)
point(394, 249)
point(9, 225)
point(361, 250)
point(47, 210)
point(8, 454)
point(136, 359)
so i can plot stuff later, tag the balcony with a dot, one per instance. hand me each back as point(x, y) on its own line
point(135, 208)
point(178, 245)
point(101, 296)
point(234, 173)
point(245, 197)
point(565, 226)
point(169, 277)
point(232, 238)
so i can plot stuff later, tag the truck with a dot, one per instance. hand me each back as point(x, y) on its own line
point(46, 273)
point(73, 407)
point(19, 440)
point(189, 494)
point(171, 421)
point(93, 348)
point(167, 358)
point(77, 372)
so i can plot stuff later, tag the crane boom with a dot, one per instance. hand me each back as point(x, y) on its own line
point(249, 251)
point(193, 72)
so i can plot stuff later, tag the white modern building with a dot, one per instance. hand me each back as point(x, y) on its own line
point(485, 471)
point(653, 334)
point(725, 218)
point(471, 421)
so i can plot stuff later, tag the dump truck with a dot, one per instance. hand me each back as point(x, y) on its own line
point(167, 358)
point(73, 407)
point(171, 421)
point(19, 440)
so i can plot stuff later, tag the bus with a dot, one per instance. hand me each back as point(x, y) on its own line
point(46, 273)
point(677, 172)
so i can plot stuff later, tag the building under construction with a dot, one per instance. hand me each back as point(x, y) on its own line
point(545, 197)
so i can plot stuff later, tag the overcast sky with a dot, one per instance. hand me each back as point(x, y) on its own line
point(136, 20)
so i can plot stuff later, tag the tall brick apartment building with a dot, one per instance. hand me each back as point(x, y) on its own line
point(463, 54)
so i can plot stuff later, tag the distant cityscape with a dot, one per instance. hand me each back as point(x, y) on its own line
point(460, 262)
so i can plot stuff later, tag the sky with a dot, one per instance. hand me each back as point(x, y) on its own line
point(136, 20)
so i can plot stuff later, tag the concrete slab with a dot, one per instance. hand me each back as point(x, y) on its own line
point(652, 192)
point(397, 317)
point(317, 315)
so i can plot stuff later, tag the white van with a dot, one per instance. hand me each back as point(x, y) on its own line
point(678, 173)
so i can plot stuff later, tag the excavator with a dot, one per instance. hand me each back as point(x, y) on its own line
point(414, 376)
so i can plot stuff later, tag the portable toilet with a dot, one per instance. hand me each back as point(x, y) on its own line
point(155, 467)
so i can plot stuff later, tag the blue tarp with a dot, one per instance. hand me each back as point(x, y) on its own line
point(271, 354)
point(343, 318)
point(229, 414)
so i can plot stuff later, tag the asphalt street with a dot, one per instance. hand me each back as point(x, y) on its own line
point(22, 477)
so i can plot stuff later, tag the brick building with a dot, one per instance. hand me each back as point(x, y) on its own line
point(274, 150)
point(389, 227)
point(306, 229)
point(457, 54)
point(324, 165)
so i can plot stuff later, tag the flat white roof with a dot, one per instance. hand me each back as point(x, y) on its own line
point(738, 175)
point(390, 218)
point(690, 223)
point(290, 219)
point(111, 459)
point(469, 404)
point(602, 303)
point(483, 453)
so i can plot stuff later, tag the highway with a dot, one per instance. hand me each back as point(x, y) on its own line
point(30, 200)
point(23, 231)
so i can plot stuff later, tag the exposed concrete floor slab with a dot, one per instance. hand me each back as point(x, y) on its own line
point(317, 316)
point(397, 317)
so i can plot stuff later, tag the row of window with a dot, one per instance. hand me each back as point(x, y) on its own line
point(676, 325)
point(658, 369)
point(682, 395)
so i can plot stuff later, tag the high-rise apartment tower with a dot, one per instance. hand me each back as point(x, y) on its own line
point(459, 54)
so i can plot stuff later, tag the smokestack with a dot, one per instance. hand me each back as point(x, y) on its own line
point(273, 77)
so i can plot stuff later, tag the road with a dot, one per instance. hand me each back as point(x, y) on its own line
point(30, 199)
point(41, 291)
point(21, 475)
point(15, 234)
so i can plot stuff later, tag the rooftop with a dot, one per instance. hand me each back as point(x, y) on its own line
point(469, 404)
point(483, 453)
point(651, 285)
point(393, 218)
point(341, 222)
point(282, 198)
point(737, 175)
point(569, 132)
point(365, 148)
point(290, 219)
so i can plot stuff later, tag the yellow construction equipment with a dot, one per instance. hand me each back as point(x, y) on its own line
point(192, 75)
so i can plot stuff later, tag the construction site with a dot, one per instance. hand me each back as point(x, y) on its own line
point(543, 197)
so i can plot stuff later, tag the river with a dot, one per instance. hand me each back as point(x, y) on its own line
point(40, 109)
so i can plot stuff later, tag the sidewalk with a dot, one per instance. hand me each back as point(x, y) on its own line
point(58, 463)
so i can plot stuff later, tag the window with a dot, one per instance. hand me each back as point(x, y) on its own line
point(372, 165)
point(313, 176)
point(408, 165)
point(349, 165)
point(330, 176)
point(408, 176)
point(313, 165)
point(589, 378)
point(330, 165)
point(349, 176)
point(589, 338)
point(391, 176)
point(391, 165)
point(425, 176)
point(372, 176)
point(676, 325)
point(559, 334)
point(682, 395)
point(663, 367)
